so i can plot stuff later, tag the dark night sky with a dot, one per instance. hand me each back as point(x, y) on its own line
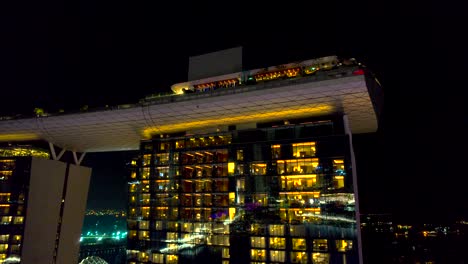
point(64, 55)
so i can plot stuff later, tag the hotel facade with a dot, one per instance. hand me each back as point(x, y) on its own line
point(236, 166)
point(280, 189)
point(42, 203)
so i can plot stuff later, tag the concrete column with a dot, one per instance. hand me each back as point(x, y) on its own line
point(355, 186)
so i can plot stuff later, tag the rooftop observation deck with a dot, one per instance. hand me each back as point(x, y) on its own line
point(122, 127)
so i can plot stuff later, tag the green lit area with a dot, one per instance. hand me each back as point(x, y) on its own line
point(104, 226)
point(97, 237)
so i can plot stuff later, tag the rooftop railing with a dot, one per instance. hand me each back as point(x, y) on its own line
point(342, 71)
point(243, 88)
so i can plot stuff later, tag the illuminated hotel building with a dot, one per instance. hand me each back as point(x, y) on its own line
point(276, 190)
point(236, 166)
point(41, 208)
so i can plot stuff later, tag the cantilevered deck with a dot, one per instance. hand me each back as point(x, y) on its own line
point(336, 91)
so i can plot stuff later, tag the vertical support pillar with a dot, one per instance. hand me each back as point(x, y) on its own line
point(78, 160)
point(54, 154)
point(355, 186)
point(60, 154)
point(52, 151)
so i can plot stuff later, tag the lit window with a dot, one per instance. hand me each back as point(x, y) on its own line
point(132, 234)
point(143, 257)
point(3, 248)
point(344, 245)
point(220, 240)
point(299, 257)
point(338, 167)
point(298, 244)
point(4, 238)
point(258, 254)
point(158, 225)
point(4, 197)
point(162, 159)
point(278, 242)
point(258, 169)
point(320, 245)
point(257, 242)
point(172, 259)
point(6, 220)
point(257, 229)
point(277, 256)
point(158, 258)
point(145, 173)
point(231, 168)
point(276, 230)
point(240, 155)
point(143, 235)
point(18, 220)
point(144, 225)
point(146, 159)
point(298, 166)
point(172, 236)
point(302, 150)
point(276, 151)
point(321, 258)
point(338, 182)
point(225, 253)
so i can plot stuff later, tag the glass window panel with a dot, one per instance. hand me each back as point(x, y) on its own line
point(161, 172)
point(257, 242)
point(161, 159)
point(276, 230)
point(297, 230)
point(338, 182)
point(158, 225)
point(338, 167)
point(4, 238)
point(321, 258)
point(172, 259)
point(278, 242)
point(225, 253)
point(344, 245)
point(146, 161)
point(3, 248)
point(240, 154)
point(4, 197)
point(180, 144)
point(297, 166)
point(145, 173)
point(320, 245)
point(275, 151)
point(299, 257)
point(144, 225)
point(298, 182)
point(187, 227)
point(277, 256)
point(157, 258)
point(302, 150)
point(6, 220)
point(143, 235)
point(257, 229)
point(299, 244)
point(258, 168)
point(258, 254)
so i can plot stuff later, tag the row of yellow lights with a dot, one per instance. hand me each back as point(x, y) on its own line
point(240, 118)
